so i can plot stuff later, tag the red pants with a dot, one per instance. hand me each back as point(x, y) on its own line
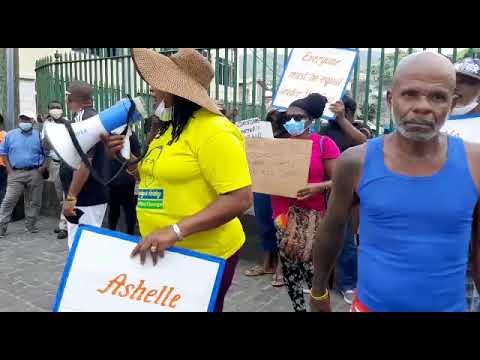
point(357, 306)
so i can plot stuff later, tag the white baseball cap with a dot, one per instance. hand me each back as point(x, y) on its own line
point(28, 114)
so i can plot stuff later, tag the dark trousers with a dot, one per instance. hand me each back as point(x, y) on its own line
point(122, 196)
point(346, 269)
point(262, 205)
point(227, 278)
point(3, 182)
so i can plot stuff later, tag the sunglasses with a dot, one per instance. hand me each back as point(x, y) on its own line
point(295, 117)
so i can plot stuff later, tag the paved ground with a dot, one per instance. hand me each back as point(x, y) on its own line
point(31, 266)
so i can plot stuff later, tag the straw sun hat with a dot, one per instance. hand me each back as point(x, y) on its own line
point(187, 74)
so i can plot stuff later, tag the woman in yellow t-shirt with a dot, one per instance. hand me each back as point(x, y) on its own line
point(194, 179)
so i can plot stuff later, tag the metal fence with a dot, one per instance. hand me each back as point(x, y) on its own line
point(245, 78)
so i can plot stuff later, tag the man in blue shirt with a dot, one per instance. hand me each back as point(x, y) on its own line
point(23, 154)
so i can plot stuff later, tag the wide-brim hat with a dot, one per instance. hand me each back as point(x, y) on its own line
point(187, 74)
point(469, 67)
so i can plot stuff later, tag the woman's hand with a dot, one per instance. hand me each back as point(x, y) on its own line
point(310, 190)
point(114, 144)
point(156, 243)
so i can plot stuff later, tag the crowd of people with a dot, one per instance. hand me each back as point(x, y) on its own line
point(391, 223)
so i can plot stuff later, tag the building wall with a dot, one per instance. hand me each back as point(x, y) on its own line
point(26, 59)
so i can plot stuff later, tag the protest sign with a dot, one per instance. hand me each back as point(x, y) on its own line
point(315, 70)
point(254, 128)
point(279, 166)
point(465, 126)
point(100, 276)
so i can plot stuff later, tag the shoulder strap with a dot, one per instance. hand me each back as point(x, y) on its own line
point(84, 156)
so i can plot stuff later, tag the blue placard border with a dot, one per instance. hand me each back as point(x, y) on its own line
point(357, 58)
point(462, 117)
point(135, 239)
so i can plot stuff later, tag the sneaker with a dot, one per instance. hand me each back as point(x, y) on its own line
point(62, 234)
point(57, 230)
point(33, 231)
point(3, 232)
point(348, 296)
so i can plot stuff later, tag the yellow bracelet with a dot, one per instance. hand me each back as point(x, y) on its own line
point(71, 198)
point(131, 172)
point(320, 298)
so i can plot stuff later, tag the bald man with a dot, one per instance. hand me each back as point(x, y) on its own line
point(418, 192)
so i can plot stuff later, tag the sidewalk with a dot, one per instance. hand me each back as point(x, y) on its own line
point(31, 266)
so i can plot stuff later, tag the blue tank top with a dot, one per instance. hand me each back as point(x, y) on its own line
point(415, 234)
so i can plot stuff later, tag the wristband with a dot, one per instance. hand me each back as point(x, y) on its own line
point(320, 298)
point(178, 232)
point(132, 172)
point(71, 198)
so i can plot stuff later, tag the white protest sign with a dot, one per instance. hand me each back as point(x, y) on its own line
point(465, 126)
point(100, 276)
point(254, 128)
point(315, 70)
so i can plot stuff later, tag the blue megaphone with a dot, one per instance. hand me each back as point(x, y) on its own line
point(88, 132)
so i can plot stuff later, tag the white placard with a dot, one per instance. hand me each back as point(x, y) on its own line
point(315, 70)
point(465, 126)
point(100, 276)
point(254, 128)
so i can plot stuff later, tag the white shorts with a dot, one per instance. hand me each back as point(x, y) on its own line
point(93, 215)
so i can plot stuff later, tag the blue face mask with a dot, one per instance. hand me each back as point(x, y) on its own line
point(24, 126)
point(295, 128)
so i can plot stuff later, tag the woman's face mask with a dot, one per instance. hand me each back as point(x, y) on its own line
point(295, 127)
point(25, 126)
point(56, 113)
point(163, 113)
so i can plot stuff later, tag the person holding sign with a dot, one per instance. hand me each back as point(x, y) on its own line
point(468, 91)
point(194, 179)
point(298, 219)
point(468, 87)
point(418, 191)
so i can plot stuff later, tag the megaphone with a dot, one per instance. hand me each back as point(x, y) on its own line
point(88, 132)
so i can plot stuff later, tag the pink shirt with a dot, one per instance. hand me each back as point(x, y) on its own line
point(316, 174)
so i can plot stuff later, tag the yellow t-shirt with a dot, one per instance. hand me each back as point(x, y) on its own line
point(182, 179)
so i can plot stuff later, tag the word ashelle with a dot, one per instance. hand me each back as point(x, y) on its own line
point(117, 287)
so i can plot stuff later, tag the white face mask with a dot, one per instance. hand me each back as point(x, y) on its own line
point(163, 113)
point(462, 110)
point(25, 126)
point(56, 113)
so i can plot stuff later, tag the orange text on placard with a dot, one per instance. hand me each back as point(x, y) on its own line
point(320, 60)
point(138, 292)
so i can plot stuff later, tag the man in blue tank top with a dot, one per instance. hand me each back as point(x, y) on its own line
point(418, 190)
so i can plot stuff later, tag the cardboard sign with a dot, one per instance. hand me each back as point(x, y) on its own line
point(254, 128)
point(279, 166)
point(100, 276)
point(465, 126)
point(315, 70)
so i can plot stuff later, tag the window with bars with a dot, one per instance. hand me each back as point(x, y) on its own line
point(225, 72)
point(107, 52)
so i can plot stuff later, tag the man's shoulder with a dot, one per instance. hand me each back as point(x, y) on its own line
point(354, 156)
